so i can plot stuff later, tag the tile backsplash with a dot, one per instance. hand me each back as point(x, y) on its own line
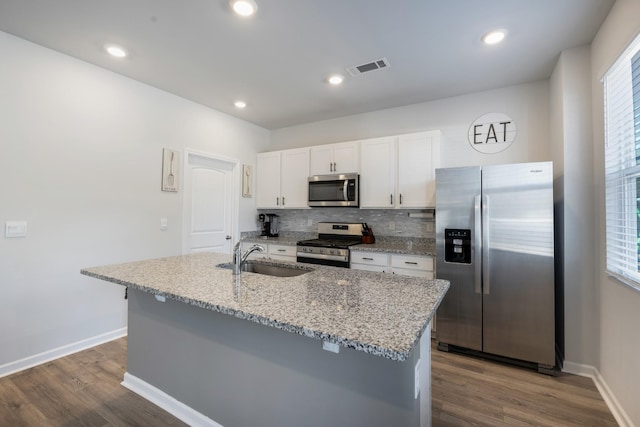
point(384, 222)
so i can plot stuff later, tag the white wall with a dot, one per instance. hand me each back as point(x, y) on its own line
point(619, 304)
point(528, 106)
point(81, 162)
point(570, 118)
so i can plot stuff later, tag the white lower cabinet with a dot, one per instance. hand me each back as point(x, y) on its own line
point(370, 261)
point(412, 265)
point(282, 252)
point(271, 251)
point(405, 265)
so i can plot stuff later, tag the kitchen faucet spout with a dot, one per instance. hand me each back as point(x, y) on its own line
point(239, 259)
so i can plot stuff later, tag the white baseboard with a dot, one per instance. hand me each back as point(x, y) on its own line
point(161, 399)
point(49, 355)
point(607, 395)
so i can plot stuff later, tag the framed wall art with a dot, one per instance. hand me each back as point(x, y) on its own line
point(247, 180)
point(170, 162)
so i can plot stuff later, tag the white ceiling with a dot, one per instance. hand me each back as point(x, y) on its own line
point(278, 60)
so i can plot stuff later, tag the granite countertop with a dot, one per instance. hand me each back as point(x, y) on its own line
point(380, 314)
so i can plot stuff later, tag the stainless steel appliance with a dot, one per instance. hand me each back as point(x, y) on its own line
point(332, 245)
point(494, 243)
point(269, 225)
point(334, 190)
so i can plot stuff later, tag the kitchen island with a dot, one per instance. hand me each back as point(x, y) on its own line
point(328, 347)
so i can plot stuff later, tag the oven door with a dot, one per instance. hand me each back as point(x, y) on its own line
point(334, 190)
point(322, 259)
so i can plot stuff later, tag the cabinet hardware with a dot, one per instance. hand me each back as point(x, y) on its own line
point(391, 199)
point(400, 198)
point(335, 169)
point(227, 238)
point(282, 200)
point(277, 201)
point(411, 263)
point(330, 167)
point(367, 259)
point(282, 250)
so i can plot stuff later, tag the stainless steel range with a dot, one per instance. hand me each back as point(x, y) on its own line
point(332, 245)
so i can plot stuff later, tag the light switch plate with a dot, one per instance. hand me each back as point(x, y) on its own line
point(164, 223)
point(15, 229)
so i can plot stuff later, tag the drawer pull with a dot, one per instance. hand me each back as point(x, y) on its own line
point(411, 263)
point(282, 250)
point(367, 259)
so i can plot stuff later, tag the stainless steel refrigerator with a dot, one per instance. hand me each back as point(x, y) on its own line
point(494, 243)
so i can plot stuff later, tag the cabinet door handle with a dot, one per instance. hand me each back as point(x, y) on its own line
point(334, 167)
point(282, 200)
point(330, 167)
point(282, 250)
point(277, 201)
point(411, 263)
point(367, 259)
point(400, 198)
point(391, 196)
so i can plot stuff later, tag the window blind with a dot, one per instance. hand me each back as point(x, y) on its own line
point(622, 166)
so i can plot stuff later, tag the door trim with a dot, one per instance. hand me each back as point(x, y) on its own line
point(236, 167)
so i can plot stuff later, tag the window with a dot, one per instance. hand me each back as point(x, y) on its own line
point(622, 166)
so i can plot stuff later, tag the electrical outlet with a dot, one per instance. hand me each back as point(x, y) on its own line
point(329, 346)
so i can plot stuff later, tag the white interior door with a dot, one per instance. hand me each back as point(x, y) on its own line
point(209, 204)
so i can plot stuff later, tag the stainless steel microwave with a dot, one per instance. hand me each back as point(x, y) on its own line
point(334, 190)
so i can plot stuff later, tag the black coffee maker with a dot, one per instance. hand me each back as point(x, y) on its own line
point(269, 225)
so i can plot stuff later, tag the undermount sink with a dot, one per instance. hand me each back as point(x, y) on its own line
point(269, 269)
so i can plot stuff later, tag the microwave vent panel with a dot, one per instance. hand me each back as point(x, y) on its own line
point(370, 66)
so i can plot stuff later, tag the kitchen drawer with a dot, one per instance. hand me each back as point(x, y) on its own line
point(370, 258)
point(277, 251)
point(411, 262)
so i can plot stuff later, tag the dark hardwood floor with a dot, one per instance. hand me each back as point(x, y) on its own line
point(84, 390)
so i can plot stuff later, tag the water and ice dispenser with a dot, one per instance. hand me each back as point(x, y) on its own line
point(457, 246)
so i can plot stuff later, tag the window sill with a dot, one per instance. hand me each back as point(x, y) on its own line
point(624, 280)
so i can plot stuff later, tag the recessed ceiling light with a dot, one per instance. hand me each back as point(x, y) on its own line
point(116, 51)
point(335, 79)
point(493, 37)
point(244, 7)
point(240, 104)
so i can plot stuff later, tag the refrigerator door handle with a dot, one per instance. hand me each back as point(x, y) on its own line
point(477, 239)
point(485, 245)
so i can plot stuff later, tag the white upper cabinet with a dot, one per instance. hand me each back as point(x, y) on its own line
point(334, 158)
point(399, 172)
point(418, 158)
point(268, 180)
point(294, 174)
point(281, 179)
point(377, 172)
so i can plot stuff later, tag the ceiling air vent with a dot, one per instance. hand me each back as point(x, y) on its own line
point(371, 66)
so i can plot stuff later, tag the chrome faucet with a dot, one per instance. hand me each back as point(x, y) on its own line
point(239, 259)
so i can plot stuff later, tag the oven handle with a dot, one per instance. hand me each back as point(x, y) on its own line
point(323, 256)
